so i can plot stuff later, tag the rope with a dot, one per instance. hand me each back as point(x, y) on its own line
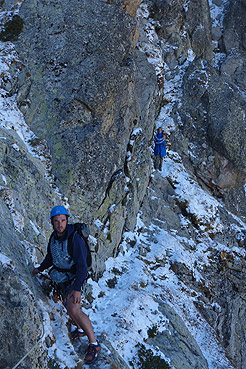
point(41, 319)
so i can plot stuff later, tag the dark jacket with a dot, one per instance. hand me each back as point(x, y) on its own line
point(79, 255)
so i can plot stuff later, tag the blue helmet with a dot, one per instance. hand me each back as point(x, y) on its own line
point(58, 210)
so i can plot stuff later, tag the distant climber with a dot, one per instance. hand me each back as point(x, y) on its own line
point(160, 148)
point(69, 274)
point(241, 238)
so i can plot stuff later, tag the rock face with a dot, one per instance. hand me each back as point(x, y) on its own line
point(213, 101)
point(88, 98)
point(178, 344)
point(80, 90)
point(20, 323)
point(219, 292)
point(76, 89)
point(209, 117)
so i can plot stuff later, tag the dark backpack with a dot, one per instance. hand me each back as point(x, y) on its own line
point(83, 231)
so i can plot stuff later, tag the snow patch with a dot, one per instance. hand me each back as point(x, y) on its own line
point(6, 260)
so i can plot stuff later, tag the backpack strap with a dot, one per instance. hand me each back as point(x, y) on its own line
point(83, 231)
point(71, 270)
point(70, 243)
point(84, 235)
point(52, 234)
point(70, 248)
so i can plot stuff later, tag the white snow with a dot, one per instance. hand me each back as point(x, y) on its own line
point(127, 297)
point(5, 260)
point(98, 223)
point(18, 218)
point(197, 202)
point(12, 119)
point(62, 350)
point(34, 227)
point(217, 12)
point(111, 208)
point(136, 131)
point(30, 253)
point(4, 179)
point(128, 310)
point(151, 48)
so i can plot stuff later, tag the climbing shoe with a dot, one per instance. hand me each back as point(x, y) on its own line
point(92, 353)
point(77, 333)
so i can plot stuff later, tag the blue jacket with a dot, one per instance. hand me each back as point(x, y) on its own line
point(160, 147)
point(79, 258)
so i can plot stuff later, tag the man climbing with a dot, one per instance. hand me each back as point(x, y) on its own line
point(69, 273)
point(160, 148)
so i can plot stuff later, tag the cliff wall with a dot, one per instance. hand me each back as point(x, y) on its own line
point(83, 85)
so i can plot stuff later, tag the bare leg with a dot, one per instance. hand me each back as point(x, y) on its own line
point(80, 318)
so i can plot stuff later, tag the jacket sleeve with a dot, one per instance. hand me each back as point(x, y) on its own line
point(79, 257)
point(47, 262)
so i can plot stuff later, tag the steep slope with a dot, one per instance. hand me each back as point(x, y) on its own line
point(203, 113)
point(48, 108)
point(81, 88)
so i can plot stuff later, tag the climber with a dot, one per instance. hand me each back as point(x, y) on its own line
point(160, 148)
point(241, 238)
point(69, 274)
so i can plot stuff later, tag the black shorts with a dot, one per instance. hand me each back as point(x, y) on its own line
point(64, 289)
